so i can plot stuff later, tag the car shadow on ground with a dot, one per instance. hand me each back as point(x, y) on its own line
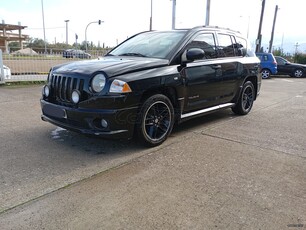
point(93, 145)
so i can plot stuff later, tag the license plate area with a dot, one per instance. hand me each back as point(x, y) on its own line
point(54, 111)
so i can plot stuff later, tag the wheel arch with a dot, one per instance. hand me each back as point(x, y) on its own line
point(170, 92)
point(148, 97)
point(254, 81)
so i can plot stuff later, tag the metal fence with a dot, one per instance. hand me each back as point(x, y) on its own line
point(1, 69)
point(29, 65)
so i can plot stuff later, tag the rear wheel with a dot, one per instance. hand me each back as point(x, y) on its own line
point(298, 73)
point(265, 73)
point(246, 99)
point(155, 120)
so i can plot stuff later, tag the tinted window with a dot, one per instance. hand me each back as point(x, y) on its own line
point(241, 46)
point(280, 61)
point(226, 47)
point(206, 42)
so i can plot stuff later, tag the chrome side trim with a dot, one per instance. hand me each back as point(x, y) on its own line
point(207, 110)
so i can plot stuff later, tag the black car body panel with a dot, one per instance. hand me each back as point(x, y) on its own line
point(84, 97)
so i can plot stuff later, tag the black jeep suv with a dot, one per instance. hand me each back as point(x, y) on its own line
point(152, 80)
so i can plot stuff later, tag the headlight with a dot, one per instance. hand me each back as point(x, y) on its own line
point(46, 91)
point(119, 86)
point(98, 83)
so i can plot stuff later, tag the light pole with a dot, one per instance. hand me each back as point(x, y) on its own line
point(248, 28)
point(99, 22)
point(207, 13)
point(173, 13)
point(151, 15)
point(66, 31)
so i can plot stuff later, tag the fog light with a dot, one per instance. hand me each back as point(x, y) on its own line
point(46, 91)
point(104, 123)
point(75, 96)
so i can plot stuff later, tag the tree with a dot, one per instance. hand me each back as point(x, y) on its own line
point(300, 58)
point(278, 52)
point(14, 46)
point(36, 42)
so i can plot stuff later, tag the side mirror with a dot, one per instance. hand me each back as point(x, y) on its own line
point(195, 54)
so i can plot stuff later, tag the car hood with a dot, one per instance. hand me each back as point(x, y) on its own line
point(112, 66)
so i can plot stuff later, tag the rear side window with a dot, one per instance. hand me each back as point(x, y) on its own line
point(241, 46)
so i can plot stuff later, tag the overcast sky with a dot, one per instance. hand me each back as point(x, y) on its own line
point(123, 18)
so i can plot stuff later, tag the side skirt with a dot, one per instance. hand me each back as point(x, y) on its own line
point(204, 111)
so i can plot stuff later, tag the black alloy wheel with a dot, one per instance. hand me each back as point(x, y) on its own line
point(245, 102)
point(156, 120)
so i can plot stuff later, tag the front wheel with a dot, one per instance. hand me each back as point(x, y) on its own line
point(155, 120)
point(246, 99)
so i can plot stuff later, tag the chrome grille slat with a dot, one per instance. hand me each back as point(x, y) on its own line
point(62, 87)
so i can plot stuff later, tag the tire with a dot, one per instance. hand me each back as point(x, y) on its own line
point(246, 99)
point(155, 120)
point(298, 73)
point(265, 73)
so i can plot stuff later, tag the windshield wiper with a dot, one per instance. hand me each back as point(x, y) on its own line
point(132, 54)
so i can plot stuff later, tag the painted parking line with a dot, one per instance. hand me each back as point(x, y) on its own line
point(286, 80)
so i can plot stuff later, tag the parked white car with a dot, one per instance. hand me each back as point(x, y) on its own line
point(7, 72)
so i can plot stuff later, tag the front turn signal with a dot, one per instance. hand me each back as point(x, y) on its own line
point(119, 86)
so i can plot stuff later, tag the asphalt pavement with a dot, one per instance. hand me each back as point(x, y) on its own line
point(219, 171)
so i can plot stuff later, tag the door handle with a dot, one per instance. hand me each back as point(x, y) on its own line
point(216, 66)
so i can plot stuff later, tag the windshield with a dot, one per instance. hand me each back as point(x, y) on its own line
point(150, 44)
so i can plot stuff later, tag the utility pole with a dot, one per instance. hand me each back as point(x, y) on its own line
point(296, 51)
point(207, 13)
point(173, 13)
point(76, 41)
point(258, 41)
point(273, 27)
point(44, 29)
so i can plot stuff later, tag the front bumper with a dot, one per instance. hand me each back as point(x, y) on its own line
point(120, 122)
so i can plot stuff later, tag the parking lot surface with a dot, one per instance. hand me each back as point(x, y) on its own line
point(219, 171)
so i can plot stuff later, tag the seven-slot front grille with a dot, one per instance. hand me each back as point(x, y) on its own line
point(62, 87)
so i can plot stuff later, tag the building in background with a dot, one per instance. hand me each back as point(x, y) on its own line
point(8, 34)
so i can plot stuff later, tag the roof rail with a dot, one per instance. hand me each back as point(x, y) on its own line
point(216, 27)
